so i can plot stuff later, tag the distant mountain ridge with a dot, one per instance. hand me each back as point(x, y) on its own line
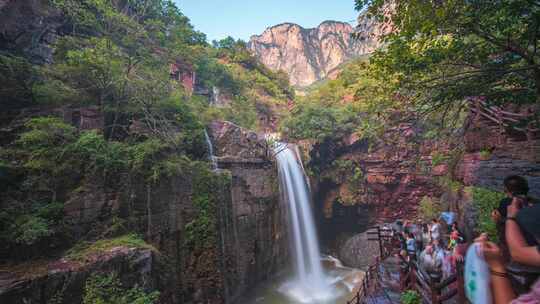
point(312, 54)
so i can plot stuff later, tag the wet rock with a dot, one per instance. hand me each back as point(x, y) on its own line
point(234, 143)
point(253, 227)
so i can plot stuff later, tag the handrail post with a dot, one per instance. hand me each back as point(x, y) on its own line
point(435, 296)
point(460, 282)
point(381, 253)
point(413, 276)
point(403, 276)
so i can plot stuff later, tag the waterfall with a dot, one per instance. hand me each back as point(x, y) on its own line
point(310, 284)
point(214, 101)
point(211, 156)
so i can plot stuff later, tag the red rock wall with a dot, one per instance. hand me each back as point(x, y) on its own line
point(491, 154)
point(183, 73)
point(396, 175)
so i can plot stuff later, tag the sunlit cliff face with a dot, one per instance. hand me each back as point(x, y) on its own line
point(307, 55)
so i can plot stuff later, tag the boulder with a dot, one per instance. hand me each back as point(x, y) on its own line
point(358, 252)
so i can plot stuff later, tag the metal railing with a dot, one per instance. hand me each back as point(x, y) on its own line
point(371, 281)
point(430, 288)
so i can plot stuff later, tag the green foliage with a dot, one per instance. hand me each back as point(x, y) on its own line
point(241, 112)
point(116, 57)
point(438, 158)
point(446, 182)
point(107, 289)
point(99, 154)
point(27, 227)
point(357, 101)
point(251, 88)
point(309, 120)
point(46, 138)
point(430, 208)
point(43, 148)
point(207, 186)
point(358, 176)
point(485, 201)
point(411, 297)
point(82, 250)
point(485, 154)
point(17, 76)
point(443, 53)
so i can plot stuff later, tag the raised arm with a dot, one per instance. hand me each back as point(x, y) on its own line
point(519, 249)
point(501, 287)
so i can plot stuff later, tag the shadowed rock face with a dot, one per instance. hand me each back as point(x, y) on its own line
point(307, 55)
point(29, 28)
point(65, 279)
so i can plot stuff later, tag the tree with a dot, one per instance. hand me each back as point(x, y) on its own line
point(43, 148)
point(17, 78)
point(443, 52)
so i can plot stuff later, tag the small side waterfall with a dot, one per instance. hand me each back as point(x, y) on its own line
point(214, 101)
point(211, 156)
point(311, 285)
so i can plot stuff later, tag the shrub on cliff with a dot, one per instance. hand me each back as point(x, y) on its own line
point(107, 289)
point(17, 76)
point(430, 208)
point(201, 231)
point(485, 201)
point(411, 297)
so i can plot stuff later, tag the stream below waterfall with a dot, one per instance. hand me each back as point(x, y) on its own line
point(281, 290)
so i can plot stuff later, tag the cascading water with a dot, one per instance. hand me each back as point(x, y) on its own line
point(211, 156)
point(215, 100)
point(310, 284)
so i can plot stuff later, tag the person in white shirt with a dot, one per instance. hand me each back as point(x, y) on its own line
point(435, 230)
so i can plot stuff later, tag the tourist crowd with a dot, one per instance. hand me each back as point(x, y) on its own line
point(434, 246)
point(513, 263)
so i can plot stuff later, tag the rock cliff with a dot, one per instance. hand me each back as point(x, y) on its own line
point(307, 55)
point(310, 55)
point(63, 280)
point(29, 28)
point(361, 182)
point(389, 176)
point(246, 244)
point(253, 227)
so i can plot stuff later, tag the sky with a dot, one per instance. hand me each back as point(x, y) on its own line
point(243, 18)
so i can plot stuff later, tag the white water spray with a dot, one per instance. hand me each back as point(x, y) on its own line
point(211, 156)
point(310, 285)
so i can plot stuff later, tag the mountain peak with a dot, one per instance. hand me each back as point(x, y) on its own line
point(308, 54)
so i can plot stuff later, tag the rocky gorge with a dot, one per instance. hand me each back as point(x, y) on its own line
point(137, 159)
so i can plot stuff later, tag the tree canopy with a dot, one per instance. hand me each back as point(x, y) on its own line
point(443, 52)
